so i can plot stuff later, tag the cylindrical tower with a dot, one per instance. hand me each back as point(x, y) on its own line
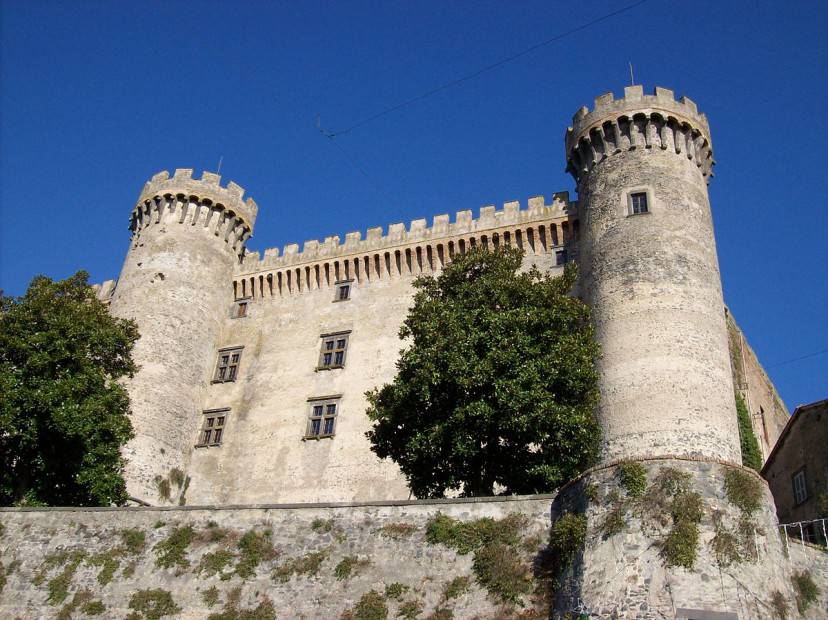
point(187, 234)
point(650, 274)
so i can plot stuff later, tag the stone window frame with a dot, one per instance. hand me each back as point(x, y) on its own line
point(323, 412)
point(338, 354)
point(799, 475)
point(339, 285)
point(628, 200)
point(231, 368)
point(214, 424)
point(241, 308)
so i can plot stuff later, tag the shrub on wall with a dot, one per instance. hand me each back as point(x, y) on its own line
point(751, 455)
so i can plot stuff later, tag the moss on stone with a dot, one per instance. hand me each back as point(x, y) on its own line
point(215, 562)
point(633, 478)
point(751, 456)
point(108, 563)
point(59, 585)
point(371, 606)
point(456, 588)
point(743, 490)
point(263, 611)
point(465, 537)
point(347, 566)
point(322, 525)
point(254, 548)
point(133, 541)
point(308, 564)
point(154, 604)
point(780, 605)
point(615, 521)
point(501, 570)
point(172, 551)
point(210, 596)
point(410, 609)
point(806, 590)
point(394, 591)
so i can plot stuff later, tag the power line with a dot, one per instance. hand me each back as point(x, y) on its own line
point(796, 359)
point(485, 69)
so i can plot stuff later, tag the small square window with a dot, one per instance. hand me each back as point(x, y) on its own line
point(638, 203)
point(227, 366)
point(560, 257)
point(800, 487)
point(240, 309)
point(334, 347)
point(343, 290)
point(212, 428)
point(322, 417)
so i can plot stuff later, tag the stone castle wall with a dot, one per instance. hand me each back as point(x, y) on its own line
point(386, 541)
point(291, 304)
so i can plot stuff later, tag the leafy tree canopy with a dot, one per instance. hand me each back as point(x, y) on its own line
point(498, 385)
point(63, 414)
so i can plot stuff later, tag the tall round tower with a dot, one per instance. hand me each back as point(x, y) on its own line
point(187, 234)
point(650, 274)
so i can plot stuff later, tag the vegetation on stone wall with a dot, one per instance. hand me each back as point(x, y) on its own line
point(498, 386)
point(751, 455)
point(63, 411)
point(154, 603)
point(779, 604)
point(806, 590)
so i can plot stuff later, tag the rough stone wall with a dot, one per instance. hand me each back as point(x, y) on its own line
point(173, 284)
point(625, 574)
point(652, 279)
point(264, 456)
point(802, 447)
point(399, 554)
point(768, 413)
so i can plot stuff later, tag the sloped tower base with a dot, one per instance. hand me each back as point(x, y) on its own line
point(642, 519)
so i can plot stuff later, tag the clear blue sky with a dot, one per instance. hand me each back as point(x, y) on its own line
point(98, 96)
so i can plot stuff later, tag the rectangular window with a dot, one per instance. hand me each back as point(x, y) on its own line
point(799, 487)
point(333, 350)
point(240, 309)
point(560, 257)
point(343, 290)
point(227, 366)
point(212, 428)
point(638, 203)
point(322, 417)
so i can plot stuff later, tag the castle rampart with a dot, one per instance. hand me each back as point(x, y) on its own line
point(539, 229)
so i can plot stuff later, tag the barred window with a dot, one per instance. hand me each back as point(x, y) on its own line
point(227, 365)
point(333, 350)
point(212, 428)
point(322, 417)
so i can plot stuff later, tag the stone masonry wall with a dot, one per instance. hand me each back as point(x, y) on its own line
point(302, 577)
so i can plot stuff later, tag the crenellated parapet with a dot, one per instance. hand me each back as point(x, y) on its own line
point(417, 232)
point(638, 121)
point(196, 202)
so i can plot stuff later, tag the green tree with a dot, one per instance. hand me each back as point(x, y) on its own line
point(498, 385)
point(63, 414)
point(751, 456)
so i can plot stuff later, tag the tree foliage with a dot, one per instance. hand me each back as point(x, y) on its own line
point(751, 456)
point(63, 414)
point(498, 385)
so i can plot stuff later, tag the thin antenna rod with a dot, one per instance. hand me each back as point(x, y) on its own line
point(632, 79)
point(221, 159)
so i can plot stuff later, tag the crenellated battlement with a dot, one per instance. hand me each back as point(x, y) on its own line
point(398, 235)
point(196, 202)
point(638, 121)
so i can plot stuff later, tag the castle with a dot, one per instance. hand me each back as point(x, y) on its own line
point(254, 368)
point(249, 406)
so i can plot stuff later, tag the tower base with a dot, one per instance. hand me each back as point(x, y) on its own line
point(674, 538)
